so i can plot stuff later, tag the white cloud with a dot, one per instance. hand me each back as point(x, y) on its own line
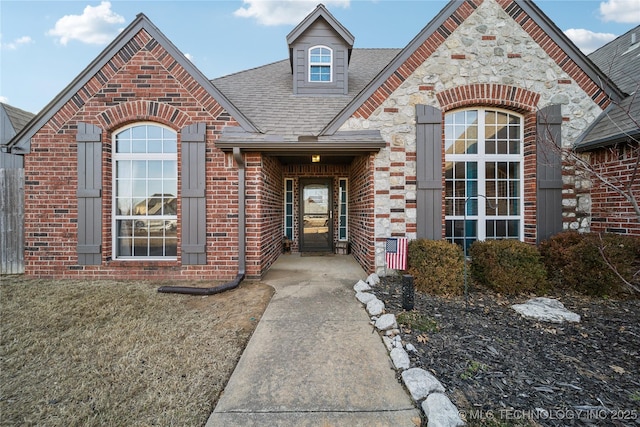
point(282, 12)
point(96, 25)
point(623, 11)
point(588, 41)
point(4, 99)
point(189, 56)
point(15, 44)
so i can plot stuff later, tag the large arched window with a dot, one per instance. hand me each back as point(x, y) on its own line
point(483, 175)
point(145, 193)
point(320, 64)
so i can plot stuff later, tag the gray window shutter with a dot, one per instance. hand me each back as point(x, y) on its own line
point(549, 172)
point(89, 143)
point(429, 172)
point(193, 200)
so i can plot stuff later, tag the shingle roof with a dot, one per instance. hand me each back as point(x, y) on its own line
point(265, 94)
point(21, 142)
point(12, 121)
point(19, 118)
point(620, 60)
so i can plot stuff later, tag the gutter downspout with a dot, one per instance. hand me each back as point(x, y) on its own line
point(237, 155)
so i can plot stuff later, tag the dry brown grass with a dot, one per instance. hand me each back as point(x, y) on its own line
point(118, 353)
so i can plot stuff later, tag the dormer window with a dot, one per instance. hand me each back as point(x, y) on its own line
point(320, 64)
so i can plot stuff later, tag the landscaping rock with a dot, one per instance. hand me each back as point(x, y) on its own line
point(373, 279)
point(410, 347)
point(375, 307)
point(480, 346)
point(400, 358)
point(421, 383)
point(441, 412)
point(386, 322)
point(388, 343)
point(365, 297)
point(361, 286)
point(546, 309)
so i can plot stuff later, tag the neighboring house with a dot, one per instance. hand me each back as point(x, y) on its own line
point(333, 144)
point(12, 121)
point(613, 141)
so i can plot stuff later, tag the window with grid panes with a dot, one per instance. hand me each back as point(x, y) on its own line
point(483, 175)
point(145, 193)
point(320, 63)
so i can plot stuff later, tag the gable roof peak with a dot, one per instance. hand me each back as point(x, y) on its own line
point(21, 142)
point(320, 12)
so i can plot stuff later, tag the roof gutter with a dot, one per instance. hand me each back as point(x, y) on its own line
point(237, 155)
point(619, 138)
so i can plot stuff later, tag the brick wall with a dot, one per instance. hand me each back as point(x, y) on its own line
point(362, 212)
point(142, 82)
point(610, 211)
point(265, 212)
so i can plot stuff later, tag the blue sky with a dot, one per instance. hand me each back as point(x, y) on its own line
point(45, 44)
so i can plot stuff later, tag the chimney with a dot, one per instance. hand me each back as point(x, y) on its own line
point(633, 39)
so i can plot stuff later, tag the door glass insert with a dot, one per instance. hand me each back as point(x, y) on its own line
point(316, 217)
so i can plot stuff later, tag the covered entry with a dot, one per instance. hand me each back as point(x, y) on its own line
point(310, 192)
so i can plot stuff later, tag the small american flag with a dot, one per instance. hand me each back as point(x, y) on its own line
point(396, 253)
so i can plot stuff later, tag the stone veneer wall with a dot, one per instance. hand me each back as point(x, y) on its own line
point(488, 47)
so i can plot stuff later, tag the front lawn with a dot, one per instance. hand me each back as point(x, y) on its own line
point(118, 353)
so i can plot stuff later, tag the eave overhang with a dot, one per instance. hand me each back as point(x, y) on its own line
point(347, 143)
point(612, 140)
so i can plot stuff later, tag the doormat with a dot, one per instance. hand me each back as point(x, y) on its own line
point(317, 254)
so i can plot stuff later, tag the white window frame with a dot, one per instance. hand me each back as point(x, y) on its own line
point(289, 230)
point(321, 64)
point(481, 159)
point(343, 208)
point(116, 157)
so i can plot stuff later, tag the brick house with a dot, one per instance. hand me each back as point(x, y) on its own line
point(144, 167)
point(613, 140)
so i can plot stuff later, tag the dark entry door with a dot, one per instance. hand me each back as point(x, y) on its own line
point(316, 215)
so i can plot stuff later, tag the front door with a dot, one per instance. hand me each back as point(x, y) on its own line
point(316, 215)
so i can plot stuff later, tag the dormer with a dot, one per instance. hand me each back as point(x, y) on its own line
point(319, 53)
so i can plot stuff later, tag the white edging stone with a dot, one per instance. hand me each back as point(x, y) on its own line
point(373, 279)
point(400, 358)
point(386, 321)
point(441, 412)
point(365, 297)
point(437, 407)
point(375, 307)
point(361, 286)
point(421, 383)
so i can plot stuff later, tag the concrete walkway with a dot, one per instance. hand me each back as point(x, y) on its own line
point(314, 359)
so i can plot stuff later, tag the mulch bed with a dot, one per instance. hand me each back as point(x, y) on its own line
point(500, 368)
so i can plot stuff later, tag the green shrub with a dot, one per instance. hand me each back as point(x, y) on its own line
point(574, 262)
point(557, 253)
point(436, 266)
point(507, 266)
